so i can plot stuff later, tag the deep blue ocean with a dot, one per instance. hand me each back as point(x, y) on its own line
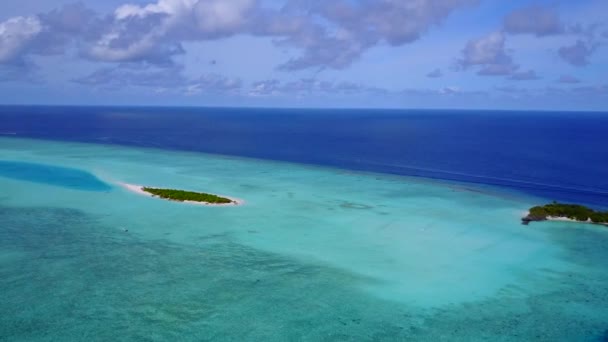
point(556, 155)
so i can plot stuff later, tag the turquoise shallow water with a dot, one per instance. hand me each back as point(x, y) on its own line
point(314, 254)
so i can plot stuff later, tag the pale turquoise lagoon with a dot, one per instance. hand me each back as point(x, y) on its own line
point(315, 254)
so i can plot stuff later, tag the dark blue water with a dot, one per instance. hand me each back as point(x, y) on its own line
point(557, 155)
point(52, 175)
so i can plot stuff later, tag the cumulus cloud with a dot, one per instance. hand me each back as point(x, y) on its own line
point(191, 19)
point(529, 75)
point(536, 20)
point(213, 83)
point(134, 41)
point(135, 36)
point(489, 54)
point(71, 18)
point(220, 17)
point(164, 78)
point(396, 22)
point(593, 90)
point(577, 54)
point(48, 33)
point(356, 26)
point(511, 89)
point(321, 50)
point(443, 92)
point(544, 21)
point(151, 33)
point(155, 32)
point(589, 31)
point(138, 75)
point(450, 90)
point(349, 29)
point(571, 94)
point(435, 74)
point(325, 34)
point(23, 72)
point(265, 88)
point(310, 86)
point(498, 69)
point(567, 79)
point(16, 36)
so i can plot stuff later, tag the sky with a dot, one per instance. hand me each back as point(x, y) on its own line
point(465, 54)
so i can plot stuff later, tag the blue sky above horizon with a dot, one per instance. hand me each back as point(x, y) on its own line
point(307, 53)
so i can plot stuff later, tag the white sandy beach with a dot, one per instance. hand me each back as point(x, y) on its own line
point(567, 219)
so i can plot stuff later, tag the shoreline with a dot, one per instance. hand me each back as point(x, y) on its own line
point(138, 189)
point(567, 219)
point(526, 220)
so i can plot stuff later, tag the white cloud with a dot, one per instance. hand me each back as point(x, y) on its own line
point(568, 79)
point(327, 34)
point(537, 20)
point(161, 79)
point(310, 86)
point(577, 54)
point(220, 16)
point(16, 34)
point(485, 50)
point(437, 73)
point(356, 26)
point(213, 83)
point(529, 75)
point(154, 32)
point(170, 7)
point(489, 54)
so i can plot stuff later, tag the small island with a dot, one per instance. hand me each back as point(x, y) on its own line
point(570, 212)
point(188, 196)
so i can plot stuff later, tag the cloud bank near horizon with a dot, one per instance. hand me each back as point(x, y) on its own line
point(150, 45)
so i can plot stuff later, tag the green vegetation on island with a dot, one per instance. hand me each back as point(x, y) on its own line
point(181, 195)
point(569, 211)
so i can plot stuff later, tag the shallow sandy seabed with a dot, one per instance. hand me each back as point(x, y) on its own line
point(316, 254)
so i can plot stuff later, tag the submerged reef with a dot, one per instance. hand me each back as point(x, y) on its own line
point(559, 211)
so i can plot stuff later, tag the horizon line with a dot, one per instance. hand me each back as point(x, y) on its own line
point(307, 108)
